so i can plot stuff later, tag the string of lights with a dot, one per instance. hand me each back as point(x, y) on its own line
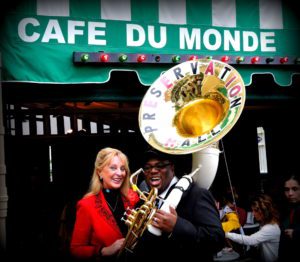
point(103, 57)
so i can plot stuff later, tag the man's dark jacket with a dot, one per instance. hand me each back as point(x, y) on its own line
point(197, 235)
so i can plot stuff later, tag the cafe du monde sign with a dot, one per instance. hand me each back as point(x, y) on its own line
point(56, 29)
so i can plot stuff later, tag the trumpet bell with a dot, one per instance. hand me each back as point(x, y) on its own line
point(199, 117)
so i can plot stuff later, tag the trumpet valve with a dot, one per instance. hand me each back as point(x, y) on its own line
point(128, 222)
point(133, 212)
point(131, 217)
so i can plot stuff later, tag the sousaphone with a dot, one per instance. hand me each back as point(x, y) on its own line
point(186, 110)
point(189, 108)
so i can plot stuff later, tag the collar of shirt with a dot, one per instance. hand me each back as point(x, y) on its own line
point(173, 181)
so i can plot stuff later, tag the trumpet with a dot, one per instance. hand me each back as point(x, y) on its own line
point(138, 219)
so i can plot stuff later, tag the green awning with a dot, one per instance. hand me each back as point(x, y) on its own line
point(39, 37)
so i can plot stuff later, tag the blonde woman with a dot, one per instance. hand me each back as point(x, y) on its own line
point(99, 230)
point(268, 236)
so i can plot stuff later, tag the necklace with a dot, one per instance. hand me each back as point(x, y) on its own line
point(113, 208)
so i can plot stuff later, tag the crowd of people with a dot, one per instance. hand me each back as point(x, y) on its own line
point(193, 228)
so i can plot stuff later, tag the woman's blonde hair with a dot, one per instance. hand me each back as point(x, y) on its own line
point(103, 159)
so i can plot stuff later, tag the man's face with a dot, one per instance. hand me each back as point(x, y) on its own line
point(158, 173)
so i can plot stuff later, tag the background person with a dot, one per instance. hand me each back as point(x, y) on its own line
point(98, 229)
point(230, 199)
point(232, 216)
point(233, 219)
point(267, 237)
point(290, 222)
point(193, 230)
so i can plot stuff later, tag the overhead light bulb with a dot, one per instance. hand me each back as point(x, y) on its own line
point(141, 58)
point(193, 57)
point(176, 58)
point(240, 59)
point(255, 59)
point(104, 57)
point(225, 58)
point(84, 57)
point(157, 58)
point(284, 60)
point(123, 58)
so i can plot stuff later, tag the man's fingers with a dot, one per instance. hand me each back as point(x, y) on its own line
point(172, 210)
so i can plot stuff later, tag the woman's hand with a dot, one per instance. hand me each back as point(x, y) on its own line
point(112, 249)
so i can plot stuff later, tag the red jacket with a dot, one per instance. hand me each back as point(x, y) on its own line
point(95, 226)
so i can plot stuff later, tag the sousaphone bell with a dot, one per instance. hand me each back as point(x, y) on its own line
point(189, 108)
